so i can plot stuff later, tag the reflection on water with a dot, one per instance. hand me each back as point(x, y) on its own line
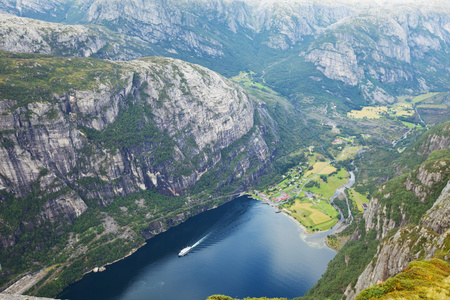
point(244, 250)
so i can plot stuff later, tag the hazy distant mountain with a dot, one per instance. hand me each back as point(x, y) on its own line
point(369, 52)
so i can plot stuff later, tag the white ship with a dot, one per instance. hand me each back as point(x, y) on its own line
point(185, 251)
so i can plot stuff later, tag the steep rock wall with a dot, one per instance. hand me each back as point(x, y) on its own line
point(151, 124)
point(425, 241)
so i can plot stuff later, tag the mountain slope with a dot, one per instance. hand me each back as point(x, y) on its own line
point(424, 280)
point(89, 149)
point(340, 52)
point(32, 36)
point(407, 220)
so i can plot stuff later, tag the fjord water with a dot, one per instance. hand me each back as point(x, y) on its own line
point(245, 250)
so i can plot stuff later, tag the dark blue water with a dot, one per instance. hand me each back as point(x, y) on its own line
point(247, 250)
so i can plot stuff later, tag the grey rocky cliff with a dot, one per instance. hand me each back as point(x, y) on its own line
point(28, 35)
point(395, 207)
point(437, 218)
point(373, 48)
point(177, 25)
point(407, 244)
point(422, 182)
point(195, 113)
point(384, 45)
point(436, 141)
point(18, 34)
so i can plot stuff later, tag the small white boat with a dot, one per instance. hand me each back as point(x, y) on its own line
point(184, 251)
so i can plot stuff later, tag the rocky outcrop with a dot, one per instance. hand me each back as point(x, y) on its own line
point(150, 124)
point(436, 140)
point(338, 62)
point(437, 218)
point(382, 46)
point(425, 241)
point(377, 51)
point(177, 25)
point(402, 244)
point(26, 35)
point(375, 218)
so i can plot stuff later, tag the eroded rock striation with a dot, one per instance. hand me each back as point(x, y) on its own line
point(372, 49)
point(105, 141)
point(410, 215)
point(195, 113)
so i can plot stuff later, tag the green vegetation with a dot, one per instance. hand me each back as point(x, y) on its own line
point(27, 78)
point(293, 134)
point(132, 128)
point(346, 267)
point(423, 97)
point(246, 79)
point(420, 280)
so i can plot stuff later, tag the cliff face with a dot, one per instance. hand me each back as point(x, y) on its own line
point(425, 241)
point(382, 47)
point(81, 137)
point(33, 36)
point(197, 111)
point(410, 216)
point(376, 51)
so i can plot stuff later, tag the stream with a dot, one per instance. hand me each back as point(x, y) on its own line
point(318, 239)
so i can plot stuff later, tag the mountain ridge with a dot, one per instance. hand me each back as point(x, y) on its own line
point(88, 146)
point(268, 38)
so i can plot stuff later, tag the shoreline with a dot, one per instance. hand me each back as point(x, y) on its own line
point(132, 251)
point(310, 233)
point(305, 231)
point(99, 269)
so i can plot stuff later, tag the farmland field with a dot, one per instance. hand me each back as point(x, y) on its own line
point(317, 216)
point(436, 106)
point(327, 189)
point(357, 198)
point(246, 79)
point(319, 166)
point(423, 97)
point(402, 109)
point(408, 124)
point(368, 112)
